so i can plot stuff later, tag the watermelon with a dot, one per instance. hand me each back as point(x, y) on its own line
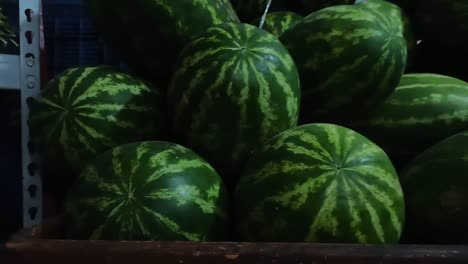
point(424, 109)
point(235, 87)
point(320, 183)
point(85, 111)
point(443, 22)
point(149, 190)
point(435, 185)
point(149, 34)
point(8, 38)
point(386, 8)
point(350, 58)
point(250, 9)
point(278, 22)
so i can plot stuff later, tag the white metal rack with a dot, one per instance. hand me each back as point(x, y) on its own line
point(22, 72)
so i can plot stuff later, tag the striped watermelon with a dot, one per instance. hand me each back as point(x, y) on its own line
point(445, 20)
point(424, 109)
point(8, 38)
point(147, 191)
point(250, 9)
point(435, 185)
point(150, 34)
point(387, 8)
point(320, 183)
point(278, 22)
point(350, 58)
point(87, 110)
point(235, 87)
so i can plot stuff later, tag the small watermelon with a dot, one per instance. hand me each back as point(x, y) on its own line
point(350, 59)
point(435, 185)
point(147, 191)
point(85, 111)
point(320, 183)
point(278, 22)
point(390, 9)
point(236, 86)
point(424, 109)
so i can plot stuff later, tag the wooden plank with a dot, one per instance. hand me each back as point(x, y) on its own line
point(119, 252)
point(35, 245)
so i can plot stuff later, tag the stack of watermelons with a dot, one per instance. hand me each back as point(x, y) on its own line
point(336, 122)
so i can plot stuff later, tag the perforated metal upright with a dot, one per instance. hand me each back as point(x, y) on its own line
point(29, 82)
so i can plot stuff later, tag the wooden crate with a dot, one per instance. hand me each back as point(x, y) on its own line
point(41, 245)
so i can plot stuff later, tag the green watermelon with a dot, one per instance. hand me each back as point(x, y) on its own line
point(443, 22)
point(435, 185)
point(87, 110)
point(149, 34)
point(424, 109)
point(310, 6)
point(147, 191)
point(350, 58)
point(250, 9)
point(235, 87)
point(8, 38)
point(320, 183)
point(278, 22)
point(387, 8)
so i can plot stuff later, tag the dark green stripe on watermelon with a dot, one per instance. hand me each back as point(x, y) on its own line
point(151, 33)
point(390, 9)
point(85, 111)
point(278, 22)
point(435, 185)
point(147, 191)
point(235, 87)
point(350, 58)
point(424, 109)
point(320, 183)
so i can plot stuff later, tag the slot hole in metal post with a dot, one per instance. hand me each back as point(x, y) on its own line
point(30, 59)
point(32, 167)
point(29, 14)
point(29, 36)
point(32, 191)
point(32, 213)
point(30, 147)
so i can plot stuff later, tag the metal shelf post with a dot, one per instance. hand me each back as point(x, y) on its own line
point(29, 64)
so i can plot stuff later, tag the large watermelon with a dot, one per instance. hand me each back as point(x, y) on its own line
point(350, 58)
point(147, 191)
point(87, 110)
point(278, 22)
point(150, 33)
point(423, 110)
point(8, 38)
point(435, 185)
point(320, 183)
point(235, 87)
point(387, 8)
